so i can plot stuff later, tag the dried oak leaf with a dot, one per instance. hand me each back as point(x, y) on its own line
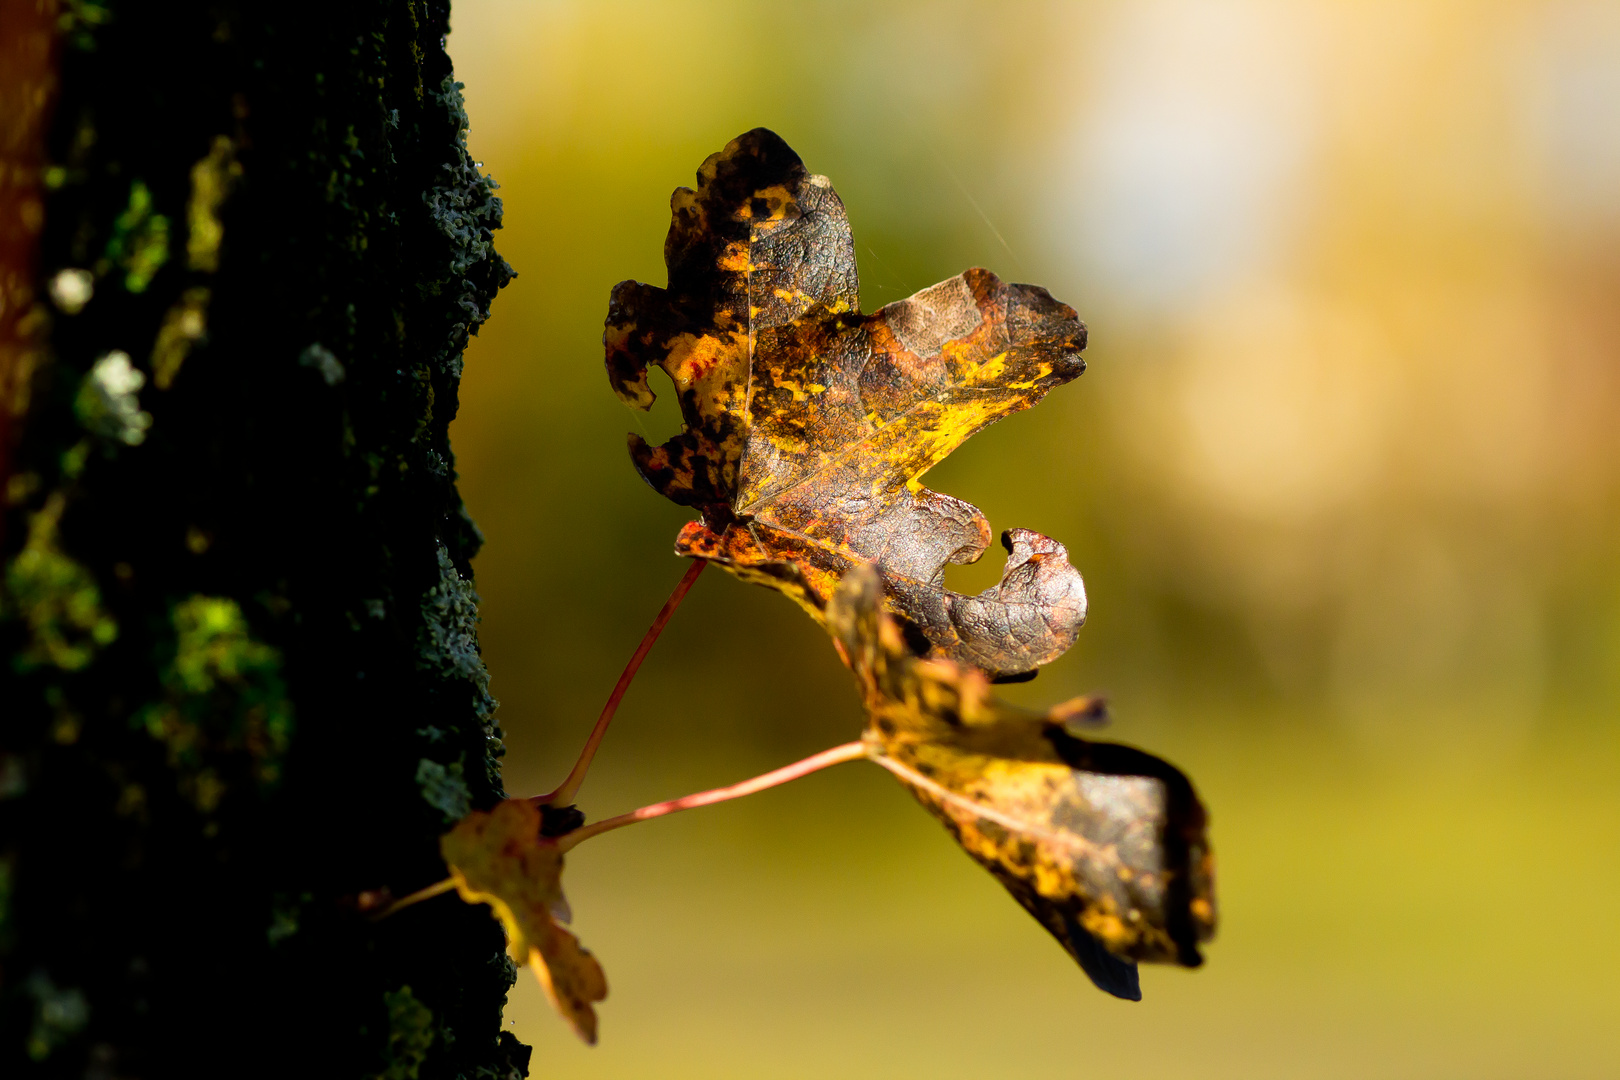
point(808, 424)
point(1104, 844)
point(499, 858)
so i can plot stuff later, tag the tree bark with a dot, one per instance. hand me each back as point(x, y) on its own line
point(244, 250)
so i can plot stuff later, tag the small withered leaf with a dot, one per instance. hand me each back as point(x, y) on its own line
point(1104, 844)
point(808, 424)
point(499, 858)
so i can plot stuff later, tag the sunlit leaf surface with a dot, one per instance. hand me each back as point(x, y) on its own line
point(1104, 844)
point(808, 424)
point(499, 858)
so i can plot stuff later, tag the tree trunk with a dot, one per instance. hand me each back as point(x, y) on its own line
point(244, 250)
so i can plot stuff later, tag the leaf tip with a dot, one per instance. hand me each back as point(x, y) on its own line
point(1109, 972)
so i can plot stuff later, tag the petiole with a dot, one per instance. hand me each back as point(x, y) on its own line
point(576, 776)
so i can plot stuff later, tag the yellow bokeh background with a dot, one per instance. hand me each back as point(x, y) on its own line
point(1343, 479)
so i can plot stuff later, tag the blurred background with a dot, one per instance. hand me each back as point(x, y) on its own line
point(1343, 479)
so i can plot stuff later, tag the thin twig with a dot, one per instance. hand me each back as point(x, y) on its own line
point(838, 754)
point(570, 787)
point(438, 888)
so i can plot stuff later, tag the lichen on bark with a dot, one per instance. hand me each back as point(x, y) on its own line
point(238, 616)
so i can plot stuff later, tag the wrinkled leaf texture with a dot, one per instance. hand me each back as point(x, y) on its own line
point(807, 424)
point(1104, 844)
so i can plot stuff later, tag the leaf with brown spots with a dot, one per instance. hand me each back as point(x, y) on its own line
point(499, 858)
point(808, 424)
point(1104, 844)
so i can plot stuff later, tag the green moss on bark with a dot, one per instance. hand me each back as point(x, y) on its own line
point(238, 616)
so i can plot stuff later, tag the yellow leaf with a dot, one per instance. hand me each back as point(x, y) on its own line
point(1104, 844)
point(808, 424)
point(499, 858)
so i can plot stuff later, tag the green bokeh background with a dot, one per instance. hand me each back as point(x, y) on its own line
point(1343, 478)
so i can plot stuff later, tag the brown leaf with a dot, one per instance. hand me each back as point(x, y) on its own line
point(809, 424)
point(1104, 844)
point(499, 858)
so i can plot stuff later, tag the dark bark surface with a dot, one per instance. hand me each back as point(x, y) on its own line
point(242, 685)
